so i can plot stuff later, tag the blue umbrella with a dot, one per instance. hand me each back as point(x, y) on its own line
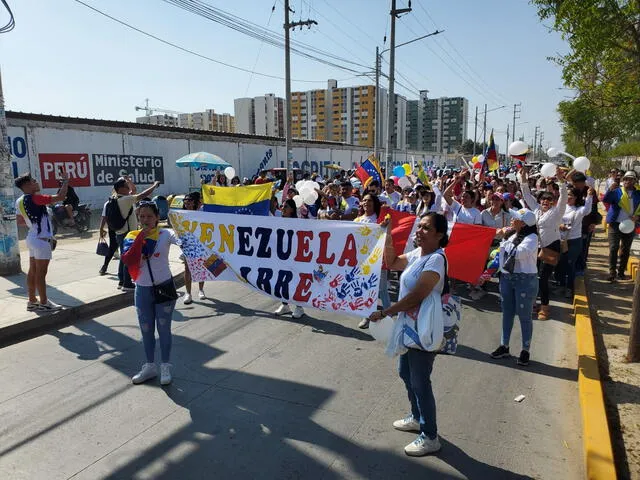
point(202, 160)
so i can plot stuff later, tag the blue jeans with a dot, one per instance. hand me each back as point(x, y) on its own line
point(383, 292)
point(124, 278)
point(518, 292)
point(415, 368)
point(153, 315)
point(567, 266)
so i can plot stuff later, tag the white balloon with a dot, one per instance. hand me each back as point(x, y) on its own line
point(518, 148)
point(404, 182)
point(480, 158)
point(298, 200)
point(310, 198)
point(305, 190)
point(229, 172)
point(553, 152)
point(627, 226)
point(548, 170)
point(312, 185)
point(581, 164)
point(300, 184)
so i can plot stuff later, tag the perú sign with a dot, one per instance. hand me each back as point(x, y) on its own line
point(75, 164)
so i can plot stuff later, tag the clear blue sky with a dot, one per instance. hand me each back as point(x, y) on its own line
point(64, 59)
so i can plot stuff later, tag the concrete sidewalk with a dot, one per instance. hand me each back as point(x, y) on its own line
point(73, 281)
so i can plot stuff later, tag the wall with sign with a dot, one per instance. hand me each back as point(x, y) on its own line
point(95, 155)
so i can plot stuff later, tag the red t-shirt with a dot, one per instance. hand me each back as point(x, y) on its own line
point(260, 180)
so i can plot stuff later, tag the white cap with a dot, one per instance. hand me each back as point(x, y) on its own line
point(527, 216)
point(631, 174)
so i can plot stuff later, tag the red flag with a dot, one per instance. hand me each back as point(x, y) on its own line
point(468, 250)
point(468, 247)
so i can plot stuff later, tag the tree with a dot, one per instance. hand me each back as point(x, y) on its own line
point(467, 147)
point(603, 63)
point(594, 129)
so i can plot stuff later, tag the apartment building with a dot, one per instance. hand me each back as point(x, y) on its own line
point(345, 114)
point(207, 120)
point(165, 120)
point(260, 115)
point(438, 124)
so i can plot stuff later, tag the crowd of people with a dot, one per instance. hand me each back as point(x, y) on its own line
point(543, 229)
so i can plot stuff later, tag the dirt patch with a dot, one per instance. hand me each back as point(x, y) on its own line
point(611, 313)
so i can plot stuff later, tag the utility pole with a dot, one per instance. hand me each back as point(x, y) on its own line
point(506, 149)
point(376, 133)
point(516, 114)
point(9, 250)
point(540, 142)
point(475, 133)
point(484, 129)
point(535, 142)
point(287, 77)
point(392, 99)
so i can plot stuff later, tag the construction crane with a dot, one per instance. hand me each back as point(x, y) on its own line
point(151, 110)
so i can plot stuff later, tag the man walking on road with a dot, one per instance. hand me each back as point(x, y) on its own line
point(32, 206)
point(126, 198)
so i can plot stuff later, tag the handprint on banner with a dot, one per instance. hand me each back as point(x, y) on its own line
point(344, 290)
point(318, 303)
point(338, 305)
point(370, 301)
point(353, 274)
point(356, 304)
point(372, 281)
point(375, 256)
point(365, 248)
point(365, 231)
point(336, 281)
point(366, 269)
point(357, 290)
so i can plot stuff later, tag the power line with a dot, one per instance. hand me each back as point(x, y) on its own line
point(11, 24)
point(186, 50)
point(255, 64)
point(256, 31)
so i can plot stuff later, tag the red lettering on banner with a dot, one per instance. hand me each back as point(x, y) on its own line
point(75, 164)
point(303, 290)
point(303, 254)
point(322, 256)
point(349, 254)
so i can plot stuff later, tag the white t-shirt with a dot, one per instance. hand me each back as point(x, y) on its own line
point(465, 215)
point(159, 260)
point(526, 254)
point(501, 220)
point(417, 263)
point(390, 199)
point(38, 201)
point(572, 218)
point(367, 219)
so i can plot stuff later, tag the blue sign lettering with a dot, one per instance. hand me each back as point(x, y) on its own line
point(17, 147)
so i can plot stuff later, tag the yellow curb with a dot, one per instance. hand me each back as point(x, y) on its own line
point(598, 452)
point(632, 267)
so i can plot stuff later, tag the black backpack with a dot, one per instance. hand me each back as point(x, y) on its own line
point(115, 220)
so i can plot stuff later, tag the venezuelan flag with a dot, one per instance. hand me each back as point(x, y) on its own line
point(243, 200)
point(491, 157)
point(133, 252)
point(369, 171)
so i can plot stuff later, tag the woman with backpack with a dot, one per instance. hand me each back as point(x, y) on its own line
point(423, 274)
point(518, 281)
point(146, 254)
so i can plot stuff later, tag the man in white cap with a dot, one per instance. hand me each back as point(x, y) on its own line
point(624, 205)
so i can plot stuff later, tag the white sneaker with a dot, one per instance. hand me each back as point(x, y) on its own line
point(33, 306)
point(407, 424)
point(283, 309)
point(298, 312)
point(50, 306)
point(148, 371)
point(187, 299)
point(422, 445)
point(201, 295)
point(364, 323)
point(165, 373)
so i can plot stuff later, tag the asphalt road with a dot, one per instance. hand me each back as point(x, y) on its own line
point(256, 396)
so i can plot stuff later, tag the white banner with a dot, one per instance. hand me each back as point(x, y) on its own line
point(330, 265)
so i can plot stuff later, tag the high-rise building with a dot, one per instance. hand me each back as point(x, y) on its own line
point(208, 120)
point(345, 114)
point(438, 124)
point(260, 115)
point(164, 120)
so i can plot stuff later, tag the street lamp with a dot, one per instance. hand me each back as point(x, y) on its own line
point(392, 100)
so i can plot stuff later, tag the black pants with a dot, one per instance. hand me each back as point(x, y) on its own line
point(619, 241)
point(545, 271)
point(113, 246)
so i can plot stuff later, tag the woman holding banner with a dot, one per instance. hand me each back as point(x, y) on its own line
point(289, 210)
point(191, 202)
point(146, 255)
point(423, 273)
